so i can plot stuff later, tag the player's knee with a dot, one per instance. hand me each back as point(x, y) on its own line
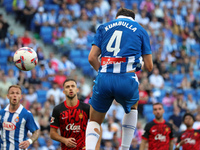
point(97, 130)
point(134, 107)
point(94, 126)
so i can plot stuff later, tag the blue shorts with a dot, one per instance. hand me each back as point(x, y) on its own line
point(121, 87)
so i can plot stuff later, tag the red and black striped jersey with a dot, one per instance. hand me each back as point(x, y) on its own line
point(191, 138)
point(72, 122)
point(158, 135)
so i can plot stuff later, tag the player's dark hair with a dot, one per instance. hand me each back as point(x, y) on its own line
point(158, 104)
point(67, 80)
point(125, 12)
point(16, 86)
point(188, 114)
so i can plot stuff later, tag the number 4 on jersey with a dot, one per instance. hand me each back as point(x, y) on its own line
point(116, 35)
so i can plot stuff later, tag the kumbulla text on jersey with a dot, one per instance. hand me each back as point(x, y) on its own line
point(120, 23)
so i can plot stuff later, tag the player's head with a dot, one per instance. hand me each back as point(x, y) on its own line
point(158, 110)
point(188, 119)
point(70, 88)
point(14, 94)
point(125, 12)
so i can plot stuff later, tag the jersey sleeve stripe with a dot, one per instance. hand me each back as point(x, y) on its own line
point(144, 138)
point(52, 126)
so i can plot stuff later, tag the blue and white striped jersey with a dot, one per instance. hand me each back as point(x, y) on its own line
point(122, 42)
point(14, 127)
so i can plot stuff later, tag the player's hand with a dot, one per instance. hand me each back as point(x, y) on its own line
point(70, 142)
point(182, 142)
point(24, 144)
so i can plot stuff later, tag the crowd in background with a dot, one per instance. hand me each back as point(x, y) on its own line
point(174, 30)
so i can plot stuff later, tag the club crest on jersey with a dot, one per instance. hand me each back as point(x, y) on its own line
point(80, 116)
point(195, 133)
point(17, 119)
point(9, 126)
point(52, 119)
point(167, 129)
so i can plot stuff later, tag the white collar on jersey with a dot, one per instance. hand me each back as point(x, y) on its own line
point(17, 111)
point(121, 16)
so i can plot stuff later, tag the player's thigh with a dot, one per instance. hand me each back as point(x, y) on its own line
point(96, 116)
point(126, 91)
point(102, 96)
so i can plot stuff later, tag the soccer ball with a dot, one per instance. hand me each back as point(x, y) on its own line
point(25, 58)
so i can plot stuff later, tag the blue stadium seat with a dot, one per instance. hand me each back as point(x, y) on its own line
point(168, 109)
point(197, 75)
point(162, 93)
point(90, 38)
point(3, 61)
point(60, 29)
point(195, 47)
point(167, 115)
point(56, 143)
point(87, 70)
point(41, 141)
point(177, 79)
point(189, 91)
point(3, 67)
point(46, 85)
point(32, 25)
point(8, 5)
point(76, 61)
point(85, 53)
point(7, 1)
point(47, 39)
point(48, 1)
point(167, 83)
point(45, 30)
point(179, 68)
point(41, 96)
point(149, 117)
point(5, 52)
point(49, 7)
point(46, 34)
point(8, 8)
point(147, 108)
point(24, 91)
point(75, 54)
point(14, 68)
point(84, 62)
